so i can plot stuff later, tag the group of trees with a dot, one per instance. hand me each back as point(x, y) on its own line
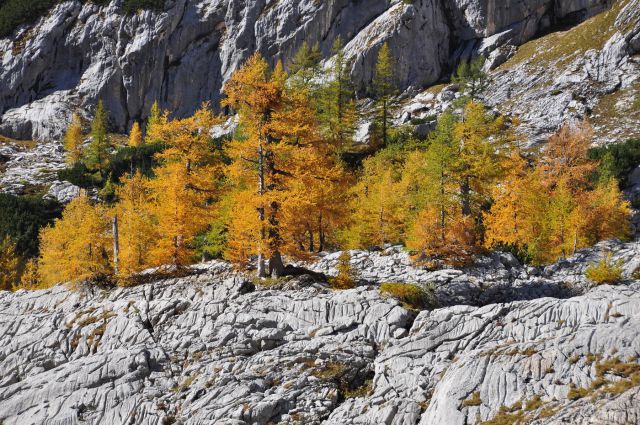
point(280, 188)
point(152, 221)
point(470, 187)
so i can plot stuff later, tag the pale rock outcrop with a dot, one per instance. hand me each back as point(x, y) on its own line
point(29, 166)
point(181, 56)
point(212, 348)
point(63, 192)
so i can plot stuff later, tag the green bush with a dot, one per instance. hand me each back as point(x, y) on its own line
point(619, 160)
point(606, 271)
point(14, 13)
point(124, 160)
point(22, 218)
point(127, 159)
point(410, 295)
point(80, 175)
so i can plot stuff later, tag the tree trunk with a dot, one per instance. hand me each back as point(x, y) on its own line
point(311, 241)
point(465, 191)
point(116, 244)
point(261, 266)
point(276, 266)
point(384, 123)
point(321, 236)
point(174, 256)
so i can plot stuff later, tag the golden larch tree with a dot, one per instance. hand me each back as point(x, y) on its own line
point(135, 136)
point(184, 185)
point(9, 261)
point(73, 140)
point(77, 246)
point(379, 206)
point(257, 94)
point(30, 278)
point(137, 231)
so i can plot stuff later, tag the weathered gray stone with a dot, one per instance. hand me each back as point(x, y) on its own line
point(182, 55)
point(211, 347)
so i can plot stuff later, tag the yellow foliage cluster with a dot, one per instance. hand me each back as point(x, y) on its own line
point(551, 209)
point(157, 218)
point(285, 181)
point(469, 187)
point(280, 188)
point(606, 271)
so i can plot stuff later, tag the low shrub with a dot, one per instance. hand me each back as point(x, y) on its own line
point(474, 400)
point(347, 277)
point(606, 271)
point(618, 159)
point(410, 295)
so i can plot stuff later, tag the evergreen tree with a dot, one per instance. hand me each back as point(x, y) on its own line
point(97, 154)
point(437, 230)
point(337, 110)
point(483, 145)
point(471, 78)
point(305, 64)
point(384, 86)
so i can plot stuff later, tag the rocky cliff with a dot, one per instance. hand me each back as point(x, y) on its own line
point(212, 348)
point(182, 55)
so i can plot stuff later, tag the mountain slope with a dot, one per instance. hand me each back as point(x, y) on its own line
point(80, 52)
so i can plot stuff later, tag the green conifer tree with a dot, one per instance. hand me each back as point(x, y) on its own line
point(97, 155)
point(385, 88)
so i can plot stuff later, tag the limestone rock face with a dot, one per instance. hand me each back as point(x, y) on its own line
point(214, 348)
point(461, 365)
point(182, 56)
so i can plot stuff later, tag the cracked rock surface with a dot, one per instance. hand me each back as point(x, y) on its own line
point(212, 348)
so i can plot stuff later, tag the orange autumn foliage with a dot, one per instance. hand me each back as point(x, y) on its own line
point(284, 172)
point(551, 209)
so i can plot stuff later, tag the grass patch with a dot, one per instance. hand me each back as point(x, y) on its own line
point(560, 48)
point(411, 296)
point(606, 271)
point(474, 400)
point(613, 377)
point(330, 371)
point(522, 412)
point(359, 391)
point(185, 384)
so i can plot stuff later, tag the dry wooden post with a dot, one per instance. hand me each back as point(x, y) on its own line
point(116, 244)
